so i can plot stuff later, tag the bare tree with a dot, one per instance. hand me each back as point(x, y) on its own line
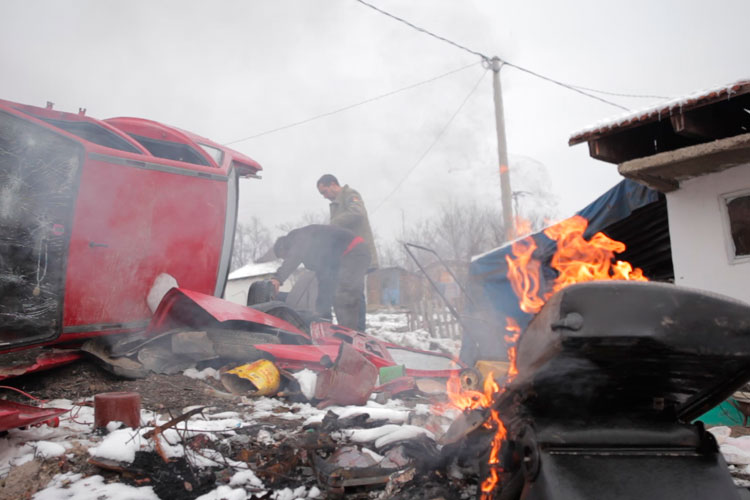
point(251, 240)
point(307, 218)
point(460, 230)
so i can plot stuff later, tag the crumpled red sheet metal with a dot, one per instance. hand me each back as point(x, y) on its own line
point(350, 380)
point(182, 307)
point(44, 361)
point(14, 415)
point(316, 350)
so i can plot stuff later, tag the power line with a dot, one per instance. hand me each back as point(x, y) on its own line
point(424, 30)
point(345, 108)
point(437, 138)
point(575, 88)
point(617, 94)
point(570, 87)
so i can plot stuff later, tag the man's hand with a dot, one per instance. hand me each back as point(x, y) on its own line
point(276, 285)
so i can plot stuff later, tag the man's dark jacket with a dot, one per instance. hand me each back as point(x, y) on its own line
point(319, 247)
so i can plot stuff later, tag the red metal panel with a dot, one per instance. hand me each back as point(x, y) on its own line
point(44, 361)
point(14, 415)
point(188, 307)
point(132, 224)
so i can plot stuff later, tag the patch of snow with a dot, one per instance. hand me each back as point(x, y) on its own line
point(253, 269)
point(114, 425)
point(224, 415)
point(224, 493)
point(403, 433)
point(120, 445)
point(314, 492)
point(265, 437)
point(734, 455)
point(662, 109)
point(245, 477)
point(203, 374)
point(368, 435)
point(290, 494)
point(48, 449)
point(721, 433)
point(92, 488)
point(307, 380)
point(394, 328)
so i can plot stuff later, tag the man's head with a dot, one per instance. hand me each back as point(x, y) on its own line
point(329, 187)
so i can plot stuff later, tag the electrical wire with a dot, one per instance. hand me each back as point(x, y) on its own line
point(570, 87)
point(22, 392)
point(437, 138)
point(424, 30)
point(618, 94)
point(486, 59)
point(345, 108)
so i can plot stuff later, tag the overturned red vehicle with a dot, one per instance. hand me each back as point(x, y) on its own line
point(94, 212)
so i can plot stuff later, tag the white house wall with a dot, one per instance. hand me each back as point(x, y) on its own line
point(702, 251)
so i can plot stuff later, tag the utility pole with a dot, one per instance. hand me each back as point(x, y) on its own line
point(502, 153)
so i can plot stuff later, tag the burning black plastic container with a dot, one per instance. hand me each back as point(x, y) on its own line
point(610, 375)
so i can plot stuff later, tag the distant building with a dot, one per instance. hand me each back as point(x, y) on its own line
point(695, 150)
point(442, 275)
point(393, 287)
point(239, 280)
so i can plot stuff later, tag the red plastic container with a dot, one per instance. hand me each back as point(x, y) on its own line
point(122, 407)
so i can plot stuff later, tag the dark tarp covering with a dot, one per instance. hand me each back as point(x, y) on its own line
point(492, 296)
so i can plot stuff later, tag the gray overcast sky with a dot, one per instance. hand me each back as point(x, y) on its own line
point(232, 69)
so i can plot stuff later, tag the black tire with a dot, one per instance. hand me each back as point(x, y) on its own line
point(259, 292)
point(238, 344)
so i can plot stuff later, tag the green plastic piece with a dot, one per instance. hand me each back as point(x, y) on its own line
point(388, 373)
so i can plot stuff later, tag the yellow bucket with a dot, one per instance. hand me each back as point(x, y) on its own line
point(262, 375)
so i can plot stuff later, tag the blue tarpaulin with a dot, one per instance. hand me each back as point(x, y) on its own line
point(491, 291)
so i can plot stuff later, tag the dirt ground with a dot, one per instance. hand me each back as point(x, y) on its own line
point(84, 379)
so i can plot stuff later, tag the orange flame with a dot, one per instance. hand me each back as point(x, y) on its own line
point(523, 274)
point(464, 399)
point(512, 326)
point(488, 485)
point(576, 260)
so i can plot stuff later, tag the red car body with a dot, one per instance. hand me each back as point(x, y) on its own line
point(93, 211)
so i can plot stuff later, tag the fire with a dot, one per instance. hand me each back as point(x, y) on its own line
point(523, 273)
point(467, 399)
point(576, 260)
point(512, 326)
point(488, 485)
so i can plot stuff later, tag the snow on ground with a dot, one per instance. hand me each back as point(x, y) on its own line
point(400, 421)
point(120, 444)
point(394, 327)
point(736, 450)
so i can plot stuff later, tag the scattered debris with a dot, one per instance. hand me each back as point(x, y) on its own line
point(350, 380)
point(260, 378)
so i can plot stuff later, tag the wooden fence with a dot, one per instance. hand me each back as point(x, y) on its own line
point(434, 317)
